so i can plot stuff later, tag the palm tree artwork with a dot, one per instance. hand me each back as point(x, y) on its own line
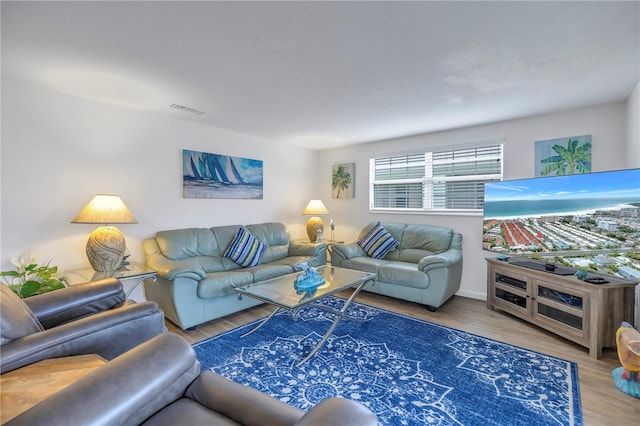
point(560, 157)
point(341, 180)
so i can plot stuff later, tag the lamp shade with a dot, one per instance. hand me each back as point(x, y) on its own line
point(314, 224)
point(106, 246)
point(315, 207)
point(104, 208)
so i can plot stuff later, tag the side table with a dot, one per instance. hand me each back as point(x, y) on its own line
point(130, 275)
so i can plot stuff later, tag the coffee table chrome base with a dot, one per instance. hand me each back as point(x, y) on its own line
point(338, 313)
point(275, 311)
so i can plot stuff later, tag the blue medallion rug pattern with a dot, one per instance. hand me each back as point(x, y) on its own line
point(407, 371)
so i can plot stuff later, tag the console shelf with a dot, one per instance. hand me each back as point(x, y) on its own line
point(588, 314)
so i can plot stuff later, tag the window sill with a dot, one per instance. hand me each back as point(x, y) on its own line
point(477, 213)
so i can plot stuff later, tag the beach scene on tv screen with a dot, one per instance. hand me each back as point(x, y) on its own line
point(588, 221)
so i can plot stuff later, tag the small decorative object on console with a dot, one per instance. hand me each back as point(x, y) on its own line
point(627, 377)
point(581, 274)
point(596, 280)
point(309, 278)
point(332, 225)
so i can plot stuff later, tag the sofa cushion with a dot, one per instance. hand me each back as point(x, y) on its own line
point(245, 249)
point(364, 264)
point(180, 244)
point(266, 272)
point(275, 236)
point(434, 239)
point(377, 242)
point(410, 255)
point(294, 261)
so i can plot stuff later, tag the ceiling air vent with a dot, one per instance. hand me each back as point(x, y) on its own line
point(186, 108)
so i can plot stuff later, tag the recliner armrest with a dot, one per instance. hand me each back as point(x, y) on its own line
point(77, 301)
point(245, 405)
point(108, 334)
point(339, 411)
point(123, 391)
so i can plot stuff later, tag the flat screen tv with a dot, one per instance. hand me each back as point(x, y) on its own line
point(586, 221)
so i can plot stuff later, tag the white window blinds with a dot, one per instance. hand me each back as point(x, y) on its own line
point(451, 179)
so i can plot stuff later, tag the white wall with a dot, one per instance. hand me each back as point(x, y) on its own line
point(633, 128)
point(606, 124)
point(58, 151)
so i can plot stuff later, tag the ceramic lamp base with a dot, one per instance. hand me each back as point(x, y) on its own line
point(106, 248)
point(313, 225)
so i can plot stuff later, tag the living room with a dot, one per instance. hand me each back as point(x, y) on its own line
point(67, 137)
point(59, 150)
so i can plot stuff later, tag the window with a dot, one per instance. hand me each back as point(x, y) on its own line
point(442, 180)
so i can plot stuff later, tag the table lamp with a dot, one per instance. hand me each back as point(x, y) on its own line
point(106, 246)
point(315, 208)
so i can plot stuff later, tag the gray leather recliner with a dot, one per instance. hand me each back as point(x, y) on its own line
point(91, 318)
point(159, 383)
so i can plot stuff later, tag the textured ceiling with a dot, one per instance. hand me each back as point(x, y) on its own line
point(326, 74)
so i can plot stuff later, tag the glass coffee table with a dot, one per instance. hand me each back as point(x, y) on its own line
point(281, 293)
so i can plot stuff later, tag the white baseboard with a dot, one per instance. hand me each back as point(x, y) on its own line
point(472, 294)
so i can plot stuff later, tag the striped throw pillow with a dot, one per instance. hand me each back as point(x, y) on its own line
point(245, 249)
point(377, 242)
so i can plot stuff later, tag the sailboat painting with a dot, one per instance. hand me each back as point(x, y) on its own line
point(208, 175)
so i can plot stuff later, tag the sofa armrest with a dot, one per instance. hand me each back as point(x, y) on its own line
point(340, 252)
point(108, 334)
point(441, 260)
point(171, 269)
point(339, 411)
point(241, 403)
point(306, 248)
point(67, 304)
point(123, 391)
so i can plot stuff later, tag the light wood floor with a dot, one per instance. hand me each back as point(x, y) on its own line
point(602, 402)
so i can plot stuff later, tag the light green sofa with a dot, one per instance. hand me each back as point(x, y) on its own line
point(426, 267)
point(196, 282)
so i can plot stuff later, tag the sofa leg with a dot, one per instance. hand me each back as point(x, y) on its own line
point(431, 308)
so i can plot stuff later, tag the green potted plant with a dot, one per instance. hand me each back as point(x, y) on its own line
point(30, 278)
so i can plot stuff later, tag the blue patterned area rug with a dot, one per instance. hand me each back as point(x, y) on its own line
point(408, 371)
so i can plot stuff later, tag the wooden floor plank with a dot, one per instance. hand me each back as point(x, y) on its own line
point(602, 402)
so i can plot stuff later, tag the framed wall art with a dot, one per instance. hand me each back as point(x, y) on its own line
point(207, 175)
point(564, 156)
point(343, 180)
